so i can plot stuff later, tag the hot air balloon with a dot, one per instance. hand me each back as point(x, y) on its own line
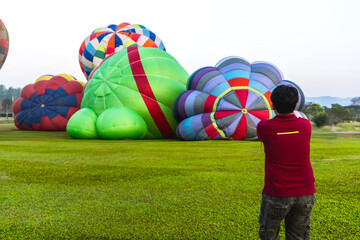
point(228, 101)
point(47, 104)
point(4, 43)
point(105, 41)
point(130, 95)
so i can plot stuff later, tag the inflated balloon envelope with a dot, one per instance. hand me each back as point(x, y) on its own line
point(4, 43)
point(228, 101)
point(105, 41)
point(130, 96)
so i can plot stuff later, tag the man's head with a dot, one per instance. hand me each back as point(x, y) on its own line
point(284, 99)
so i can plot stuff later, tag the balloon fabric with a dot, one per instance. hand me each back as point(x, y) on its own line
point(4, 43)
point(47, 104)
point(229, 100)
point(144, 82)
point(105, 41)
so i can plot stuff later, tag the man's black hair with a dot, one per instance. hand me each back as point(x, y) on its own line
point(284, 99)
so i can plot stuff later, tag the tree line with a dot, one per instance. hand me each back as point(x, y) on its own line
point(7, 98)
point(322, 116)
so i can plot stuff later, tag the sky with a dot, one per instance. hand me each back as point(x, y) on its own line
point(315, 43)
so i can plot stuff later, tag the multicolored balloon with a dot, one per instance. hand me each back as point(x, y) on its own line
point(130, 96)
point(48, 104)
point(228, 101)
point(4, 43)
point(105, 41)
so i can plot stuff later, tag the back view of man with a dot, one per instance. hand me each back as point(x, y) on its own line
point(289, 179)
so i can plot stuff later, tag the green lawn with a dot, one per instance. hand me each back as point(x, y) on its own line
point(340, 127)
point(55, 187)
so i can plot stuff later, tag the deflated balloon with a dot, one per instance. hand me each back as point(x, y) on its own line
point(144, 83)
point(228, 101)
point(107, 40)
point(48, 104)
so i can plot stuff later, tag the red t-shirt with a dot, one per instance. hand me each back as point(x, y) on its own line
point(288, 171)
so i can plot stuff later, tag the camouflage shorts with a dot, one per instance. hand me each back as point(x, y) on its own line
point(295, 210)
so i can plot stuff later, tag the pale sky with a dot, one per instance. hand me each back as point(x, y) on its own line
point(315, 43)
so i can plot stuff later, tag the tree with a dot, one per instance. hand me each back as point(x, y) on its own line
point(350, 115)
point(11, 93)
point(320, 119)
point(2, 91)
point(7, 106)
point(312, 109)
point(338, 114)
point(355, 101)
point(355, 109)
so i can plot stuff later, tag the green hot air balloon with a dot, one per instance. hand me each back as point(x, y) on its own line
point(130, 96)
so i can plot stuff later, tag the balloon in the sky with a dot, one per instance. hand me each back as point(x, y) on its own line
point(228, 101)
point(4, 43)
point(108, 40)
point(47, 104)
point(130, 96)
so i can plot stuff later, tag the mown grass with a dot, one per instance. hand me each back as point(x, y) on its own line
point(55, 187)
point(340, 127)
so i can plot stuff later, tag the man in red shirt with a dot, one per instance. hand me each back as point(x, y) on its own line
point(289, 179)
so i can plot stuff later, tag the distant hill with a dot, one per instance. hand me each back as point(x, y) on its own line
point(327, 100)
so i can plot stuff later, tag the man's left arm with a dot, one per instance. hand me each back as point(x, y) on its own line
point(260, 131)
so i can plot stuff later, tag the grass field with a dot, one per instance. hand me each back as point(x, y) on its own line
point(55, 187)
point(341, 127)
